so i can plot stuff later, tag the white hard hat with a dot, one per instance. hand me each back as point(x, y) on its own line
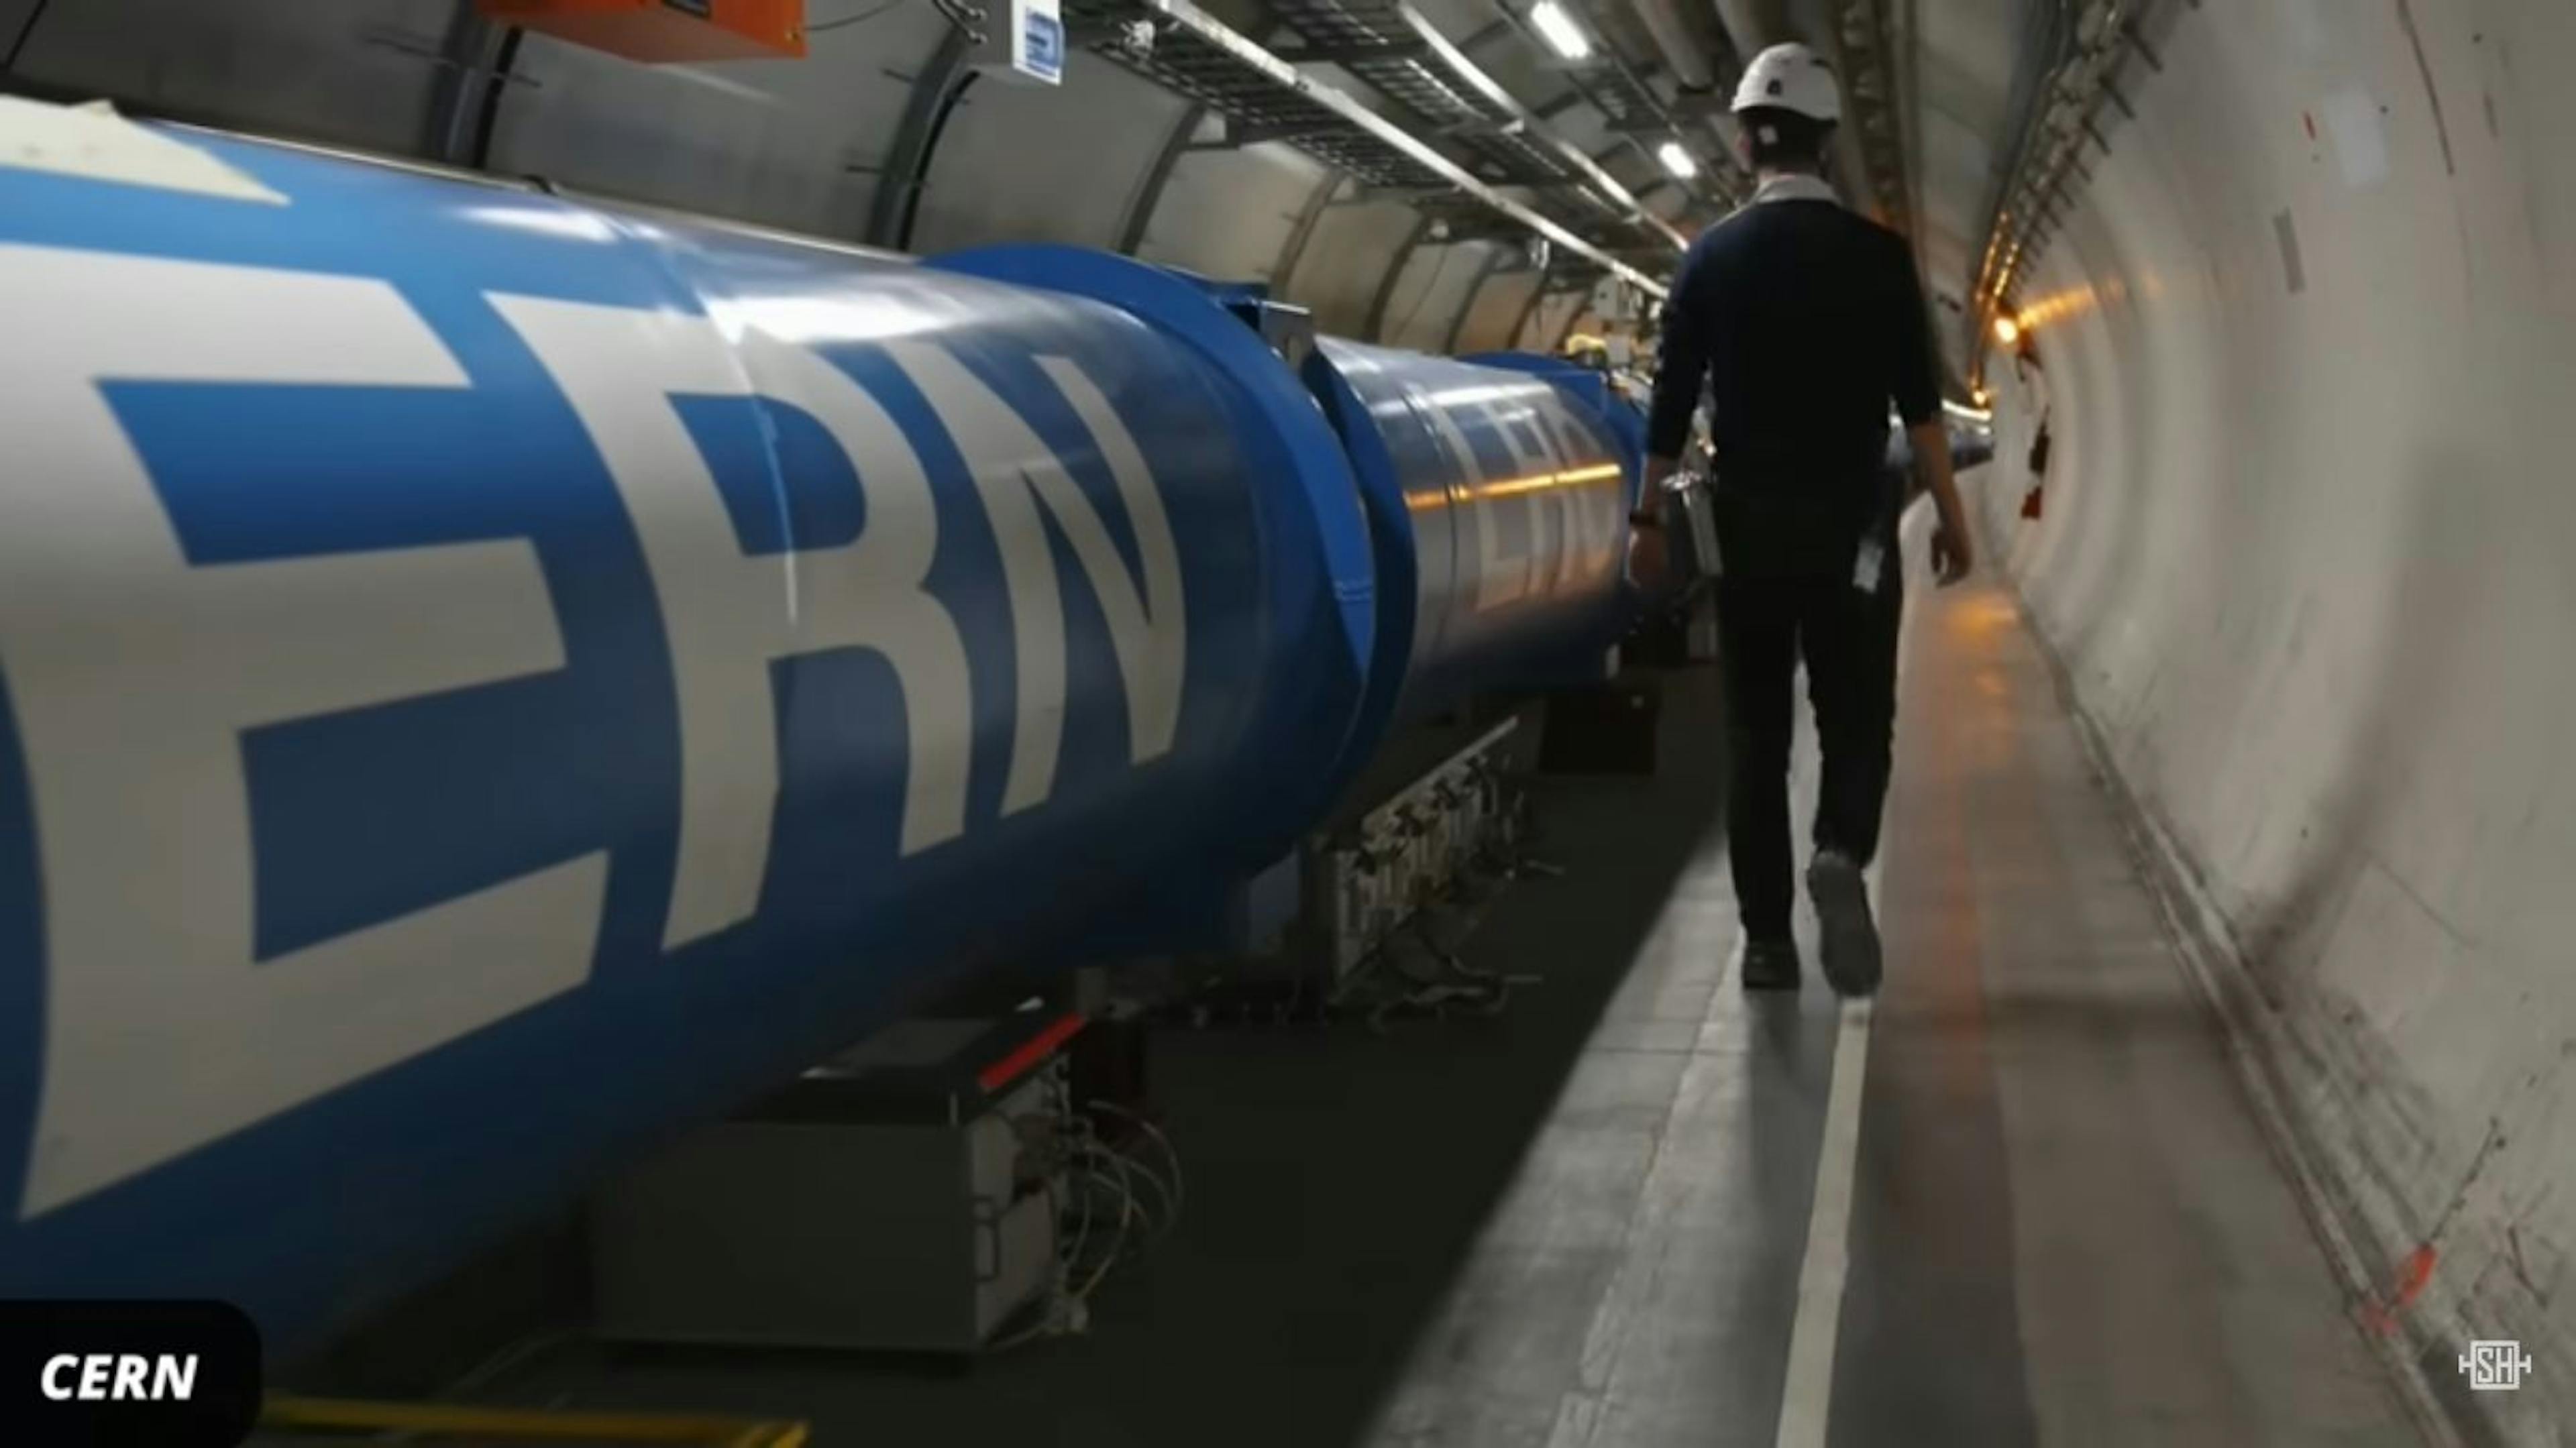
point(1791, 78)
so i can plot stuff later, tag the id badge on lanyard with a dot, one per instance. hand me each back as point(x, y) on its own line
point(1867, 563)
point(1869, 571)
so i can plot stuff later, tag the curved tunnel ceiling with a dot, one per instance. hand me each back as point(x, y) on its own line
point(1965, 63)
point(882, 135)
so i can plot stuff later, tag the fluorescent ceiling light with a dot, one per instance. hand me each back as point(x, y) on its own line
point(1559, 30)
point(1677, 160)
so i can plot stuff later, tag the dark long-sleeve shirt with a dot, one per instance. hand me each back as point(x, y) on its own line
point(1805, 321)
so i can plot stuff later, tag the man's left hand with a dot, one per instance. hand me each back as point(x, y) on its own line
point(1649, 559)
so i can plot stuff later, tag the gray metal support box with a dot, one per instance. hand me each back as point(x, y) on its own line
point(816, 1226)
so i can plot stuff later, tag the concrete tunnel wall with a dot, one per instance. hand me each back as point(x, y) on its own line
point(2308, 352)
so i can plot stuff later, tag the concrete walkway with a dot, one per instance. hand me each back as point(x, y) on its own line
point(2065, 1226)
point(1585, 1223)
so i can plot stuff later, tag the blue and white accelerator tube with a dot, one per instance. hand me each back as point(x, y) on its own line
point(486, 679)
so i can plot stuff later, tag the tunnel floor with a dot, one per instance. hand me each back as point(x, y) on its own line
point(1587, 1222)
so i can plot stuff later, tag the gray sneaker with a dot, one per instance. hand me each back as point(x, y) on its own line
point(1767, 964)
point(1850, 945)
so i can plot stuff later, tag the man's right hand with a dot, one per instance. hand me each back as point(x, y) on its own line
point(1952, 555)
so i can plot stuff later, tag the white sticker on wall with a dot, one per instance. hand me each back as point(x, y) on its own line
point(2351, 117)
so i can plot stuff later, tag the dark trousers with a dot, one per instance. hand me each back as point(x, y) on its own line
point(1848, 639)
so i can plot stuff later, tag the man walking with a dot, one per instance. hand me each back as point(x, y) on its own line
point(1805, 321)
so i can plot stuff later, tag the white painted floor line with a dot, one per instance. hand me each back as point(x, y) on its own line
point(1808, 1390)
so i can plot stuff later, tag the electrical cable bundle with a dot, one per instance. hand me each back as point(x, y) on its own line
point(1415, 969)
point(1111, 1205)
point(1418, 969)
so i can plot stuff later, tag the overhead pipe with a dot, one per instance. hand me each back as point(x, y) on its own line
point(1583, 92)
point(1534, 127)
point(1753, 24)
point(1235, 46)
point(1682, 55)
